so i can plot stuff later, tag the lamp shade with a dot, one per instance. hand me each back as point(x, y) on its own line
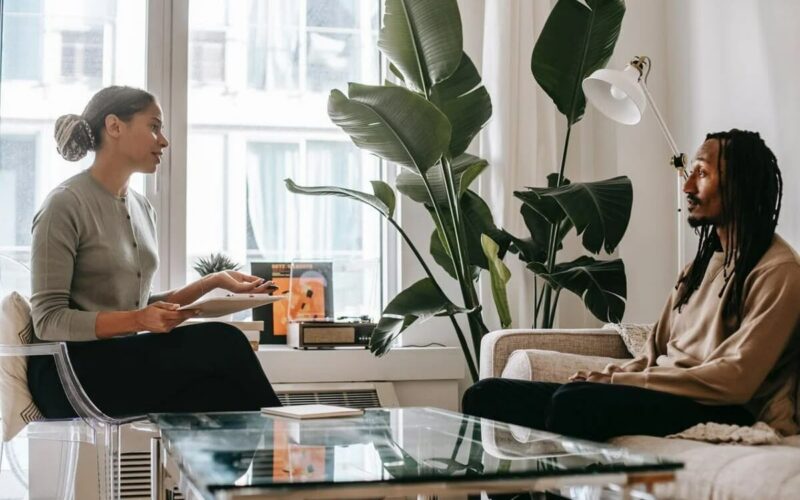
point(617, 94)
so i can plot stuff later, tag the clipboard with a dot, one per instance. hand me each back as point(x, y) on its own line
point(212, 307)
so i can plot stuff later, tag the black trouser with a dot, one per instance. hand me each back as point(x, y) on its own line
point(198, 368)
point(593, 411)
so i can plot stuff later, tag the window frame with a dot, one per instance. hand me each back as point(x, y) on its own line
point(167, 77)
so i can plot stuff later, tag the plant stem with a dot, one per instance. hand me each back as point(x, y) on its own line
point(464, 282)
point(555, 308)
point(473, 371)
point(535, 300)
point(477, 327)
point(552, 242)
point(455, 214)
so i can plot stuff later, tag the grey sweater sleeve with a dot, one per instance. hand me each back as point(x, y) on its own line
point(56, 236)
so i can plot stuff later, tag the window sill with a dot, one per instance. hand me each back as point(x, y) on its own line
point(283, 364)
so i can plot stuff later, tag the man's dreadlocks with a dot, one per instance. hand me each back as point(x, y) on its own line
point(751, 188)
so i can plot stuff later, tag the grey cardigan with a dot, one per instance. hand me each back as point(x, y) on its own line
point(92, 251)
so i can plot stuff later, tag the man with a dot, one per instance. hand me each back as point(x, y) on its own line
point(726, 346)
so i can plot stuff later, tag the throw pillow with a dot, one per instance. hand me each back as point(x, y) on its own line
point(16, 404)
point(634, 335)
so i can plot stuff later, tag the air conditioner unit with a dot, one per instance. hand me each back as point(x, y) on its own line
point(135, 453)
point(349, 394)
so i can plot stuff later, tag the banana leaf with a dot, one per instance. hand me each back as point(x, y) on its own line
point(465, 102)
point(478, 220)
point(393, 123)
point(372, 200)
point(600, 211)
point(422, 40)
point(419, 302)
point(601, 285)
point(385, 193)
point(465, 169)
point(577, 39)
point(500, 275)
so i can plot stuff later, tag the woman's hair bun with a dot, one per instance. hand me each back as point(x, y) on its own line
point(73, 137)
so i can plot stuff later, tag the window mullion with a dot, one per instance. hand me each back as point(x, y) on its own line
point(167, 78)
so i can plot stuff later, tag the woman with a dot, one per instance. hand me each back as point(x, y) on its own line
point(94, 255)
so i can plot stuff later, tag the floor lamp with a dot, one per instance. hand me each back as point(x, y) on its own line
point(623, 96)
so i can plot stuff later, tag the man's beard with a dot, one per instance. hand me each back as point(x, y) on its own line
point(695, 222)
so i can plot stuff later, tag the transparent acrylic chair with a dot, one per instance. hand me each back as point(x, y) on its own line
point(92, 426)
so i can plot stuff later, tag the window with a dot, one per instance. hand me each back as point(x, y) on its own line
point(256, 76)
point(82, 55)
point(312, 45)
point(22, 40)
point(273, 50)
point(243, 144)
point(17, 180)
point(333, 43)
point(45, 77)
point(208, 57)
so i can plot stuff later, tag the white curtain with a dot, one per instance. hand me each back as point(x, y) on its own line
point(524, 142)
point(521, 141)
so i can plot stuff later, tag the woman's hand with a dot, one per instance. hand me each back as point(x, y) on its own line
point(237, 282)
point(591, 376)
point(161, 317)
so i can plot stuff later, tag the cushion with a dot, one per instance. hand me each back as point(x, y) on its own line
point(551, 366)
point(16, 404)
point(723, 471)
point(634, 335)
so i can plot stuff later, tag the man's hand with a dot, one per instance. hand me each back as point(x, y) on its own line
point(237, 282)
point(161, 317)
point(591, 376)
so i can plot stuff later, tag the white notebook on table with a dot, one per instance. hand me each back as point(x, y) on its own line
point(312, 411)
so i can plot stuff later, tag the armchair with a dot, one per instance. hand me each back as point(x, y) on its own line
point(92, 426)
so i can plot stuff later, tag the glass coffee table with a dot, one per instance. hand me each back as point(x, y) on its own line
point(386, 452)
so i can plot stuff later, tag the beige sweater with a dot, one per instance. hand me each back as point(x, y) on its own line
point(701, 354)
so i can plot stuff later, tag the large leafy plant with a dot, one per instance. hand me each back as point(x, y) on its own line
point(577, 39)
point(424, 122)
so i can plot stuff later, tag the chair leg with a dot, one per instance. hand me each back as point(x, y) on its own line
point(108, 463)
point(68, 468)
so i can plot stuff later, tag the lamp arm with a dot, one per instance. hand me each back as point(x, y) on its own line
point(678, 158)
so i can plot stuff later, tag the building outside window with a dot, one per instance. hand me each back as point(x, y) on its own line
point(208, 57)
point(82, 55)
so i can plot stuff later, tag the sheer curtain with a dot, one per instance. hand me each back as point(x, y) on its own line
point(521, 140)
point(523, 144)
point(267, 165)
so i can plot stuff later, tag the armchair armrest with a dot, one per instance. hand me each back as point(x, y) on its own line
point(496, 347)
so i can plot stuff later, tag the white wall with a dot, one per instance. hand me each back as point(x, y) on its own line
point(734, 64)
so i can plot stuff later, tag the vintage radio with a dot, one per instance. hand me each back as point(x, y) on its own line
point(318, 334)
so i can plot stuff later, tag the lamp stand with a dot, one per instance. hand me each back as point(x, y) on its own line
point(678, 159)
